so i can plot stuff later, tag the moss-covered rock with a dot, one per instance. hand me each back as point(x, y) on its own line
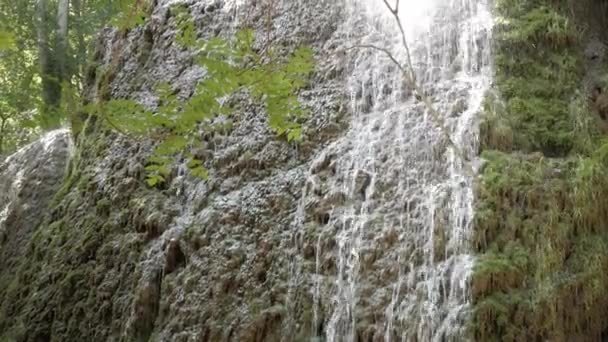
point(537, 72)
point(99, 265)
point(541, 214)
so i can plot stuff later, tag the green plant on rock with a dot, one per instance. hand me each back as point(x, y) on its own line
point(6, 40)
point(541, 218)
point(537, 73)
point(542, 24)
point(591, 189)
point(129, 13)
point(233, 66)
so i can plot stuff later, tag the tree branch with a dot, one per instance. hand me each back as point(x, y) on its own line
point(410, 77)
point(381, 49)
point(391, 7)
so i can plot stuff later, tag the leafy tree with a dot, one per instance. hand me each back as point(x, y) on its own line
point(51, 80)
point(42, 77)
point(44, 47)
point(17, 94)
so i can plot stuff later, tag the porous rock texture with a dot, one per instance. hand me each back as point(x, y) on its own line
point(28, 180)
point(115, 260)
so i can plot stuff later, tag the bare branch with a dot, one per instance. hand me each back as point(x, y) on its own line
point(410, 77)
point(395, 13)
point(389, 6)
point(421, 97)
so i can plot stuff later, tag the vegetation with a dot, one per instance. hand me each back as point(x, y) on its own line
point(87, 229)
point(44, 48)
point(542, 210)
point(537, 82)
point(42, 82)
point(233, 66)
point(541, 213)
point(6, 40)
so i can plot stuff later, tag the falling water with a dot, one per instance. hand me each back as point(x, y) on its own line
point(399, 193)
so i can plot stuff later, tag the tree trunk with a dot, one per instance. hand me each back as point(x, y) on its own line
point(2, 134)
point(61, 49)
point(51, 88)
point(81, 53)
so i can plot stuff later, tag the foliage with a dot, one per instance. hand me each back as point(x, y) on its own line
point(233, 67)
point(537, 69)
point(129, 13)
point(69, 248)
point(22, 108)
point(540, 25)
point(17, 95)
point(534, 216)
point(6, 40)
point(542, 210)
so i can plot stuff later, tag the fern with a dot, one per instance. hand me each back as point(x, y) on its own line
point(185, 26)
point(131, 13)
point(232, 66)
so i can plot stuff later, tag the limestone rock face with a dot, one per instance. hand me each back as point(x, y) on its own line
point(28, 181)
point(103, 265)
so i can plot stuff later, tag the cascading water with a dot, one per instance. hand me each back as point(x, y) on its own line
point(395, 203)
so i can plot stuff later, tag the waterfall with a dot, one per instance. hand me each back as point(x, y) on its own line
point(393, 200)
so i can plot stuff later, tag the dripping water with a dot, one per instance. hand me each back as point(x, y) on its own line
point(401, 252)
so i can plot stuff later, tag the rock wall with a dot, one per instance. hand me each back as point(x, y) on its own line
point(115, 260)
point(28, 181)
point(96, 255)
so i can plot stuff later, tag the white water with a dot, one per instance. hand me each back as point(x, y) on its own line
point(401, 239)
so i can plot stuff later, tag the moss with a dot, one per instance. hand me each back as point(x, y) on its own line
point(103, 206)
point(495, 132)
point(76, 260)
point(541, 218)
point(537, 68)
point(68, 183)
point(540, 226)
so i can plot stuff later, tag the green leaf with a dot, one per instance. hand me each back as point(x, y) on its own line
point(128, 116)
point(131, 13)
point(6, 40)
point(200, 172)
point(244, 42)
point(154, 180)
point(159, 160)
point(171, 145)
point(194, 163)
point(159, 169)
point(232, 66)
point(187, 35)
point(295, 134)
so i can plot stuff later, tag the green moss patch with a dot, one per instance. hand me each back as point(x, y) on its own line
point(78, 279)
point(537, 73)
point(542, 209)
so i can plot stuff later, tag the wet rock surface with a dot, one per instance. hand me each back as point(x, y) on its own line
point(28, 180)
point(195, 260)
point(256, 251)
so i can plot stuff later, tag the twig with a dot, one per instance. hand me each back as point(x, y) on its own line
point(381, 49)
point(410, 78)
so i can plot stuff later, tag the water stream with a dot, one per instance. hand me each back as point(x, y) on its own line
point(392, 255)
